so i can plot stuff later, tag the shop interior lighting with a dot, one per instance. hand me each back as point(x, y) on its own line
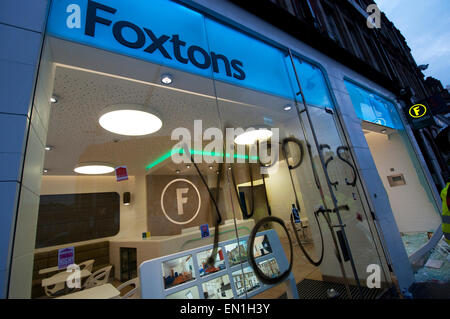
point(195, 152)
point(287, 107)
point(130, 120)
point(166, 79)
point(48, 148)
point(94, 168)
point(251, 137)
point(54, 99)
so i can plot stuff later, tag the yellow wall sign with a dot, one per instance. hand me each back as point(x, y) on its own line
point(417, 110)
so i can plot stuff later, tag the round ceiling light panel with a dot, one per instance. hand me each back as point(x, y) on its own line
point(252, 136)
point(94, 168)
point(130, 120)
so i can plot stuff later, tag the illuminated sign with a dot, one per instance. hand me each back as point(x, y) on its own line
point(419, 116)
point(417, 111)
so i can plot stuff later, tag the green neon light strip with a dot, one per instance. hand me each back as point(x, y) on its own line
point(194, 152)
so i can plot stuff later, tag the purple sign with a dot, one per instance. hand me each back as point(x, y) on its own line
point(66, 257)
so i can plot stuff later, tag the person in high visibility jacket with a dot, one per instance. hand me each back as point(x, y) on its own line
point(445, 196)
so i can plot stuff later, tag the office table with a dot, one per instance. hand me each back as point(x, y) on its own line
point(106, 291)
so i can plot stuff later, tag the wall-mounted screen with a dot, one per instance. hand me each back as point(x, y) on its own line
point(178, 271)
point(218, 288)
point(236, 253)
point(245, 281)
point(202, 261)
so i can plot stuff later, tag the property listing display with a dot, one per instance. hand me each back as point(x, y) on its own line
point(270, 267)
point(218, 288)
point(245, 281)
point(236, 253)
point(202, 261)
point(178, 271)
point(187, 275)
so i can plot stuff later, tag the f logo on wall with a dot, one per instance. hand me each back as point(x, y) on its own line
point(180, 201)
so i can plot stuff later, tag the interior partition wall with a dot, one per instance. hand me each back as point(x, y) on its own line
point(97, 55)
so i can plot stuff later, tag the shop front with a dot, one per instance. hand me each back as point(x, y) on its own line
point(158, 129)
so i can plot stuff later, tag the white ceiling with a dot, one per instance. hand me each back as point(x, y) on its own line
point(87, 80)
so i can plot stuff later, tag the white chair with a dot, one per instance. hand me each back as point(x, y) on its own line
point(88, 264)
point(133, 293)
point(55, 290)
point(98, 278)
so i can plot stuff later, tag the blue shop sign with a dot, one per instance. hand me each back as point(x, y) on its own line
point(373, 108)
point(169, 34)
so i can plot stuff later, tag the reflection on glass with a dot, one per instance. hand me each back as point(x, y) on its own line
point(219, 288)
point(236, 254)
point(270, 267)
point(247, 282)
point(202, 260)
point(262, 246)
point(177, 271)
point(189, 293)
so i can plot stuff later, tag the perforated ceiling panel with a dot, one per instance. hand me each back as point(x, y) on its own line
point(77, 137)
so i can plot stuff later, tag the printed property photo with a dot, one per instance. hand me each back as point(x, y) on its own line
point(229, 149)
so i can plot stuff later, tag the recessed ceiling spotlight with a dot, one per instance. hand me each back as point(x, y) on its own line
point(287, 107)
point(188, 166)
point(166, 79)
point(54, 99)
point(177, 171)
point(45, 170)
point(48, 148)
point(251, 137)
point(210, 167)
point(130, 119)
point(383, 131)
point(94, 168)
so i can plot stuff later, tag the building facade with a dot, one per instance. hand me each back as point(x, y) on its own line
point(319, 79)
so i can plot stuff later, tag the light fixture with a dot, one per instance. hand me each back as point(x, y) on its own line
point(45, 170)
point(54, 99)
point(48, 148)
point(383, 131)
point(210, 167)
point(287, 107)
point(126, 198)
point(188, 166)
point(177, 171)
point(94, 168)
point(129, 119)
point(166, 79)
point(250, 137)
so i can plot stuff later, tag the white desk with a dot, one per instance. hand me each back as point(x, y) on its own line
point(106, 291)
point(62, 277)
point(51, 269)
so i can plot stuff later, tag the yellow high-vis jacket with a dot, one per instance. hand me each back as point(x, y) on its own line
point(446, 213)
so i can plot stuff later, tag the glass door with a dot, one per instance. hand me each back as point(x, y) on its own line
point(351, 232)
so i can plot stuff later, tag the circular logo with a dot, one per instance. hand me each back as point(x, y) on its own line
point(417, 110)
point(180, 199)
point(380, 121)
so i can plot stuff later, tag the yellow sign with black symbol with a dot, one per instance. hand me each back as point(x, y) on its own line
point(417, 111)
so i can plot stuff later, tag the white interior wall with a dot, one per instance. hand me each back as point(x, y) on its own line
point(410, 204)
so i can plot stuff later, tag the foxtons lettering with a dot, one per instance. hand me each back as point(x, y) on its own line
point(171, 47)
